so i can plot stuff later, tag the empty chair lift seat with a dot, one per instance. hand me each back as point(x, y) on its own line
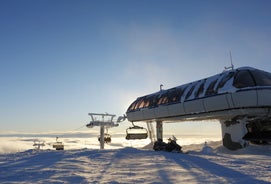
point(136, 132)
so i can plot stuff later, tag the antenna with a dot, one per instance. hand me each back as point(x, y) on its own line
point(161, 87)
point(230, 67)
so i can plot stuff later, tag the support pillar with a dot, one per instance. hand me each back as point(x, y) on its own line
point(233, 132)
point(159, 130)
point(102, 137)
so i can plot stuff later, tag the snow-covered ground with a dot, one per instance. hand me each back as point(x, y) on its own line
point(128, 162)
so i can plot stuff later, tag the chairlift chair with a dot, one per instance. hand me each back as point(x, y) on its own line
point(136, 132)
point(107, 138)
point(58, 145)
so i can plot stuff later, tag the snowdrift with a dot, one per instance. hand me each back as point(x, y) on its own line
point(209, 163)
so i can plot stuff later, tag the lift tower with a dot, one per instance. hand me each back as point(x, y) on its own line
point(103, 121)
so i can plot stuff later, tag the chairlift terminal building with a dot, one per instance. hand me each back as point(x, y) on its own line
point(240, 99)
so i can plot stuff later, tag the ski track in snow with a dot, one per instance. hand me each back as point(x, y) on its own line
point(131, 165)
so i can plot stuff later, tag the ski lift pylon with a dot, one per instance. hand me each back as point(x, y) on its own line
point(38, 144)
point(136, 132)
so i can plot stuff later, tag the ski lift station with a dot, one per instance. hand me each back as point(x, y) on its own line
point(239, 98)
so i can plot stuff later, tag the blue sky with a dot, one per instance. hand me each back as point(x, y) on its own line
point(61, 59)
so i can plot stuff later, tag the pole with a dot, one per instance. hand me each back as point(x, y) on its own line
point(159, 130)
point(102, 137)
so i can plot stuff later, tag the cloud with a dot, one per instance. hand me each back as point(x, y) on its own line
point(12, 145)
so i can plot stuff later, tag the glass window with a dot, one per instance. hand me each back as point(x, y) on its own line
point(173, 95)
point(141, 104)
point(170, 95)
point(146, 102)
point(163, 99)
point(178, 94)
point(132, 106)
point(138, 102)
point(224, 80)
point(182, 92)
point(200, 89)
point(262, 78)
point(211, 89)
point(190, 92)
point(152, 101)
point(135, 104)
point(160, 100)
point(243, 79)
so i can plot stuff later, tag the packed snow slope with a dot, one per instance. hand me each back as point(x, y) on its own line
point(201, 164)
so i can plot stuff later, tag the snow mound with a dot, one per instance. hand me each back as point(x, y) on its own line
point(207, 150)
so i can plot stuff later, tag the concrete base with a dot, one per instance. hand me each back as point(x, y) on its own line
point(233, 132)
